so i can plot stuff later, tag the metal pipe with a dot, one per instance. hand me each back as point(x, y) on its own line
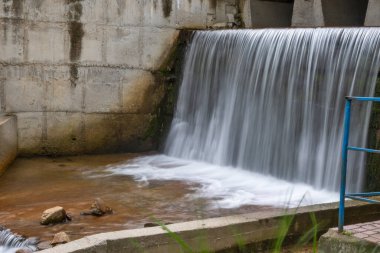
point(364, 150)
point(373, 99)
point(371, 201)
point(364, 194)
point(347, 116)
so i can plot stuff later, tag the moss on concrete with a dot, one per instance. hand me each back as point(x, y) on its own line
point(168, 77)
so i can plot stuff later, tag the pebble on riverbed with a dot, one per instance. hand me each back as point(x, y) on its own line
point(54, 215)
point(60, 238)
point(98, 208)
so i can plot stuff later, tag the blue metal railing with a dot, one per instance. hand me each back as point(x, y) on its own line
point(345, 148)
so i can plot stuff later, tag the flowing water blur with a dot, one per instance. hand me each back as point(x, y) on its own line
point(271, 101)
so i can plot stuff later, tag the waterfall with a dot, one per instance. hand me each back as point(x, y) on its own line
point(272, 101)
point(10, 242)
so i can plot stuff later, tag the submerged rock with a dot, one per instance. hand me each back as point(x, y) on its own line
point(60, 238)
point(54, 215)
point(98, 208)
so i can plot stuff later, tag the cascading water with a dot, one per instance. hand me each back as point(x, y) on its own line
point(10, 242)
point(259, 115)
point(271, 101)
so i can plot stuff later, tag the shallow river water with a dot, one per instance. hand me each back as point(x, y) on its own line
point(139, 189)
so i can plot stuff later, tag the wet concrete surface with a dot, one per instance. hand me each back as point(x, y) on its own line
point(32, 185)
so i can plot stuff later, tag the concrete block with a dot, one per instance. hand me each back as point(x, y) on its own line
point(94, 11)
point(8, 141)
point(126, 12)
point(157, 45)
point(24, 89)
point(63, 93)
point(126, 135)
point(92, 44)
point(65, 133)
point(192, 14)
point(31, 126)
point(102, 133)
point(123, 45)
point(134, 133)
point(140, 93)
point(11, 40)
point(373, 13)
point(46, 42)
point(12, 8)
point(245, 7)
point(307, 13)
point(102, 89)
point(160, 13)
point(45, 10)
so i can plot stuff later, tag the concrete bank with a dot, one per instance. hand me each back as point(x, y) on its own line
point(258, 230)
point(334, 242)
point(8, 141)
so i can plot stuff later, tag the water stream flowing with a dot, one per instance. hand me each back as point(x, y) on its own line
point(271, 101)
point(259, 115)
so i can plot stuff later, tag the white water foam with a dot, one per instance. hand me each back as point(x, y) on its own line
point(226, 187)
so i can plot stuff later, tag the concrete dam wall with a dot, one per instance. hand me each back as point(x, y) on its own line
point(80, 75)
point(83, 76)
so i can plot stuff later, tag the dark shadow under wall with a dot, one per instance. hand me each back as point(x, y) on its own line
point(271, 13)
point(373, 160)
point(344, 12)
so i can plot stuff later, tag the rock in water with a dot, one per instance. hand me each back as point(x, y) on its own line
point(54, 215)
point(60, 238)
point(98, 208)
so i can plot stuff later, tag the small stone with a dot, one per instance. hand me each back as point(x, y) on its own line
point(101, 206)
point(44, 245)
point(60, 238)
point(98, 208)
point(24, 251)
point(53, 215)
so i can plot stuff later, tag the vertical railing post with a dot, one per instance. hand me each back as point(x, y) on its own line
point(347, 116)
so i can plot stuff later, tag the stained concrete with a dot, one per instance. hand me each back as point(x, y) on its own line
point(8, 141)
point(373, 13)
point(81, 75)
point(218, 234)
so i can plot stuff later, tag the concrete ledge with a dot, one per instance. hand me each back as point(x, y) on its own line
point(217, 234)
point(8, 141)
point(334, 242)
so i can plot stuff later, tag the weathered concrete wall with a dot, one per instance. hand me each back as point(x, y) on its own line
point(81, 74)
point(8, 141)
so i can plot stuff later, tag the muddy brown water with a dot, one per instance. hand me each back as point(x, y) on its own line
point(32, 185)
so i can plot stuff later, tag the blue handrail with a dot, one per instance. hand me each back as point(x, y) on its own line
point(345, 148)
